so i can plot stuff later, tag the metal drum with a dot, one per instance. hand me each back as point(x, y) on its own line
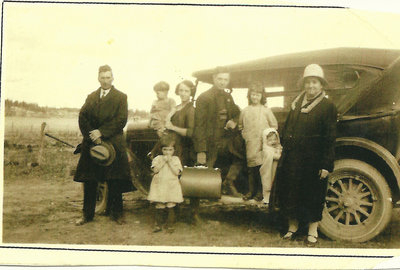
point(201, 182)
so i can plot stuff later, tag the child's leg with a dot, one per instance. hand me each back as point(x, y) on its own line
point(171, 217)
point(158, 216)
point(250, 193)
point(257, 183)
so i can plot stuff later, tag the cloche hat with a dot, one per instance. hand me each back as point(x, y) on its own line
point(103, 154)
point(314, 70)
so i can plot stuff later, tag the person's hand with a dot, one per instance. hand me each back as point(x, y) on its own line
point(230, 124)
point(201, 158)
point(97, 141)
point(169, 125)
point(94, 134)
point(165, 158)
point(323, 174)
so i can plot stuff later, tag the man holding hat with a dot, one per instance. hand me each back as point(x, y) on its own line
point(103, 149)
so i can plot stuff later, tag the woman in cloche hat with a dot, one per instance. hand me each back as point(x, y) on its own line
point(308, 138)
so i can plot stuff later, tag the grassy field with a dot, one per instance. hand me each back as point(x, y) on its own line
point(42, 203)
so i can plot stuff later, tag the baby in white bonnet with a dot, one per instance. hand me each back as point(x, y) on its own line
point(272, 151)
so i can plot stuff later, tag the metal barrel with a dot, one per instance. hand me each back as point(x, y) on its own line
point(201, 182)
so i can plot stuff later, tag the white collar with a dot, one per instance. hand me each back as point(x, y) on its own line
point(105, 91)
point(309, 107)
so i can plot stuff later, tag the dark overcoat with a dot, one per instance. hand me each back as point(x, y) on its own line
point(207, 134)
point(308, 146)
point(109, 115)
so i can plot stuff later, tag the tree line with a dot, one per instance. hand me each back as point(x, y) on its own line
point(22, 108)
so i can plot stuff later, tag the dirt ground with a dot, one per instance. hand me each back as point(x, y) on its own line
point(42, 203)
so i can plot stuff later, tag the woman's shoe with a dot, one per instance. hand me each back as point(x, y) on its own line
point(313, 242)
point(289, 235)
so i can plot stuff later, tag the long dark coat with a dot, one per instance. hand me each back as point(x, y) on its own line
point(109, 115)
point(308, 146)
point(206, 117)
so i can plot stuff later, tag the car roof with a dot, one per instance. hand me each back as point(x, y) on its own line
point(377, 58)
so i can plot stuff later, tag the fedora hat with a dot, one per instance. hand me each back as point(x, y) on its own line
point(314, 70)
point(103, 154)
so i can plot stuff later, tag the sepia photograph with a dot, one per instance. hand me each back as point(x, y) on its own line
point(230, 134)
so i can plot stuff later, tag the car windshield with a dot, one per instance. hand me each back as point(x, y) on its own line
point(283, 85)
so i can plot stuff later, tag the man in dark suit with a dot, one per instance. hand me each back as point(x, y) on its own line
point(216, 119)
point(103, 117)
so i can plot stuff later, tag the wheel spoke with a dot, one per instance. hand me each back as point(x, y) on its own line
point(339, 215)
point(347, 218)
point(330, 209)
point(342, 186)
point(350, 184)
point(362, 195)
point(362, 211)
point(332, 199)
point(334, 190)
point(359, 187)
point(366, 203)
point(356, 216)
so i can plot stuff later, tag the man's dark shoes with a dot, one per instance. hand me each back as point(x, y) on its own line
point(248, 196)
point(81, 221)
point(157, 228)
point(195, 219)
point(119, 220)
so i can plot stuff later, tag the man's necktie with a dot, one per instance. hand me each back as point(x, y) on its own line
point(103, 95)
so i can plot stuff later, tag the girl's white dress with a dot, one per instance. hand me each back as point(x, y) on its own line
point(165, 186)
point(253, 120)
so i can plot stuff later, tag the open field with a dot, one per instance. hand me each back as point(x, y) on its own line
point(42, 203)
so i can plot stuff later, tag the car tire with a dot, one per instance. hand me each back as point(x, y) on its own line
point(358, 202)
point(140, 173)
point(101, 198)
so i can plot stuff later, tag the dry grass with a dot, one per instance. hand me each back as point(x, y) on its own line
point(41, 204)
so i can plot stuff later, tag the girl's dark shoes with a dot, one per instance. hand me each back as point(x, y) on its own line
point(258, 197)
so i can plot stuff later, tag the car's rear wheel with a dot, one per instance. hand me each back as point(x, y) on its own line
point(358, 202)
point(101, 198)
point(140, 172)
point(102, 188)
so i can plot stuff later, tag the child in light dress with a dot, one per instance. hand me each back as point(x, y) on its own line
point(165, 189)
point(161, 107)
point(272, 151)
point(253, 120)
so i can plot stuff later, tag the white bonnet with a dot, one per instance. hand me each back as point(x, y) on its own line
point(268, 131)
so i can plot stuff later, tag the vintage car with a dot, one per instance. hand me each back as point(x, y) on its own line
point(365, 86)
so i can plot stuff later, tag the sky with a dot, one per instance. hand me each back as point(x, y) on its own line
point(52, 51)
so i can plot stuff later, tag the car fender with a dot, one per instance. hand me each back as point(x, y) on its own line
point(375, 148)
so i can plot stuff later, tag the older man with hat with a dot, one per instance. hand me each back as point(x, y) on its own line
point(103, 148)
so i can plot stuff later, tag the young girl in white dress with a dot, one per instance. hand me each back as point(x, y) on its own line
point(165, 189)
point(253, 120)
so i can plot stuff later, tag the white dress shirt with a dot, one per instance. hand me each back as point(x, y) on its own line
point(104, 92)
